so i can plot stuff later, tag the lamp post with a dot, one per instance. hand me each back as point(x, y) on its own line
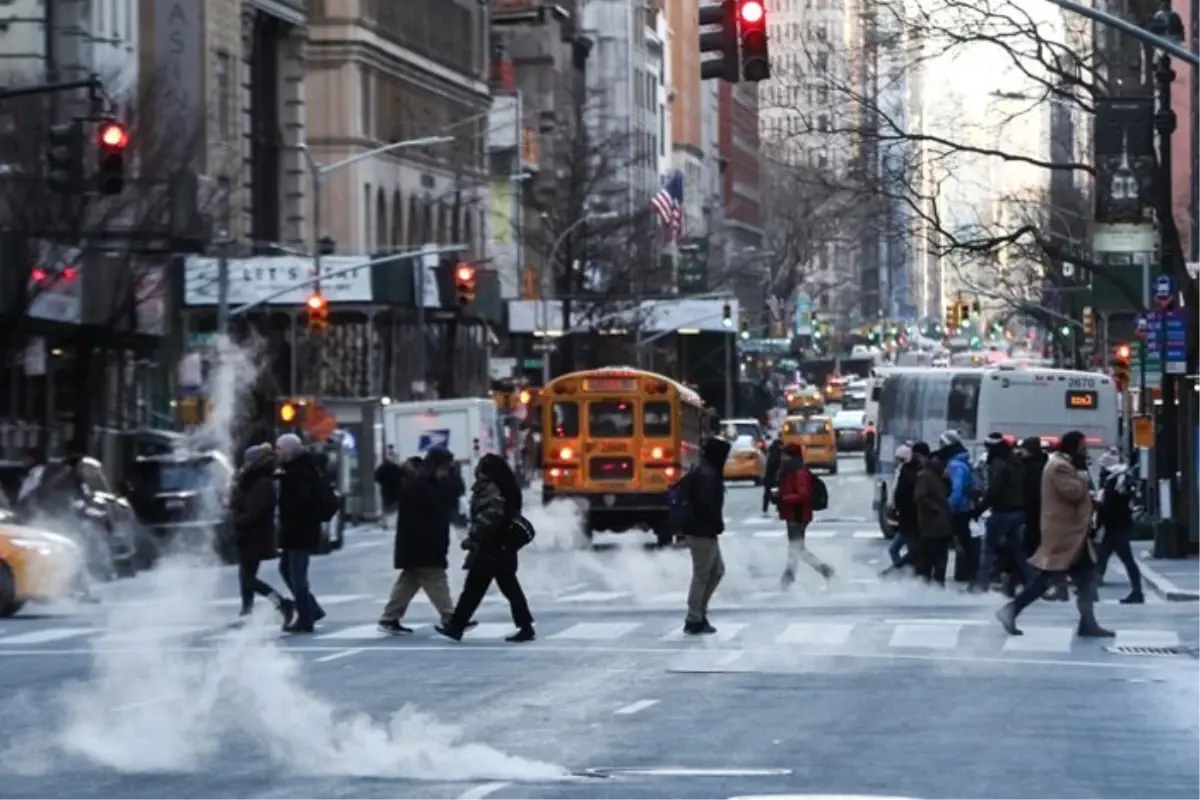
point(547, 268)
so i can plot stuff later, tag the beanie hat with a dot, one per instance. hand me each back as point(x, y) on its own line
point(289, 444)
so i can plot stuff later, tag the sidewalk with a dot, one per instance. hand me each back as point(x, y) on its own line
point(1174, 579)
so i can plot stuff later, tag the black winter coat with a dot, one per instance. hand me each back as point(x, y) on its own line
point(904, 498)
point(1031, 477)
point(774, 459)
point(389, 476)
point(253, 507)
point(422, 526)
point(1005, 484)
point(706, 490)
point(299, 519)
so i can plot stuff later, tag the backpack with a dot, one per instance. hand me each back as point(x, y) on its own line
point(521, 532)
point(976, 483)
point(820, 493)
point(681, 514)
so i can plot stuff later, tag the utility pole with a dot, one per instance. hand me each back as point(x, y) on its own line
point(429, 258)
point(729, 370)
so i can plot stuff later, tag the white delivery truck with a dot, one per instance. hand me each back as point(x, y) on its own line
point(468, 427)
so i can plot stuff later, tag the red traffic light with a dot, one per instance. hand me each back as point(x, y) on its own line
point(465, 273)
point(316, 302)
point(113, 136)
point(1123, 352)
point(751, 12)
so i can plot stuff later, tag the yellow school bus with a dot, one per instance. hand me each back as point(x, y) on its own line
point(614, 440)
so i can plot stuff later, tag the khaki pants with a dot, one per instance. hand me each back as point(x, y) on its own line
point(707, 570)
point(431, 580)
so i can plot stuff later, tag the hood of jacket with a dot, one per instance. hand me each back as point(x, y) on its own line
point(715, 452)
point(793, 450)
point(954, 452)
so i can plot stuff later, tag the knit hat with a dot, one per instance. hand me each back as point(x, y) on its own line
point(255, 452)
point(903, 453)
point(994, 439)
point(1071, 441)
point(950, 437)
point(289, 444)
point(921, 449)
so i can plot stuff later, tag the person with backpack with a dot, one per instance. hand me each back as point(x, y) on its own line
point(497, 532)
point(1114, 514)
point(965, 491)
point(303, 505)
point(800, 494)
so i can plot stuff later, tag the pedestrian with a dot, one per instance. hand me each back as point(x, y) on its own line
point(796, 491)
point(963, 494)
point(771, 474)
point(299, 523)
point(870, 454)
point(1005, 527)
point(448, 476)
point(1115, 515)
point(495, 507)
point(705, 490)
point(935, 517)
point(388, 476)
point(422, 547)
point(252, 507)
point(902, 550)
point(1065, 546)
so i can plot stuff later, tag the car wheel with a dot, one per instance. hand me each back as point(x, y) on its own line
point(885, 525)
point(9, 603)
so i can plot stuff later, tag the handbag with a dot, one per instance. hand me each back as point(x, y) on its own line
point(521, 532)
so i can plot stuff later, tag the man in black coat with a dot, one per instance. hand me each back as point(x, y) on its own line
point(771, 473)
point(706, 495)
point(389, 477)
point(444, 469)
point(253, 510)
point(299, 518)
point(422, 547)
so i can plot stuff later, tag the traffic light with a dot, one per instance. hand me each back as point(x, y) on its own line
point(64, 157)
point(1089, 323)
point(464, 284)
point(113, 139)
point(1122, 353)
point(964, 314)
point(318, 312)
point(745, 329)
point(976, 309)
point(752, 30)
point(723, 40)
point(952, 317)
point(727, 315)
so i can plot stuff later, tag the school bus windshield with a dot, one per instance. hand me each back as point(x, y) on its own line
point(610, 419)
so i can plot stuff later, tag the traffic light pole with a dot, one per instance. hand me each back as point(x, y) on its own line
point(93, 84)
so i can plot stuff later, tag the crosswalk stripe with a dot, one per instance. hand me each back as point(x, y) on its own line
point(491, 630)
point(935, 637)
point(775, 534)
point(867, 535)
point(590, 597)
point(823, 634)
point(156, 634)
point(324, 600)
point(46, 636)
point(726, 632)
point(596, 631)
point(1146, 638)
point(360, 632)
point(1041, 640)
point(669, 598)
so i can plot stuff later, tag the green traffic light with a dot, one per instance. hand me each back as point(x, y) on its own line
point(1065, 330)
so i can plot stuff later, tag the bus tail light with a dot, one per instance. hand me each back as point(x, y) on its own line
point(656, 453)
point(566, 454)
point(559, 472)
point(671, 471)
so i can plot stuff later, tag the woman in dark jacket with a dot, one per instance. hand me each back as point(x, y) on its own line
point(495, 505)
point(253, 507)
point(422, 546)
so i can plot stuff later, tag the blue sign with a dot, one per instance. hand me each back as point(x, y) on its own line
point(803, 315)
point(1164, 288)
point(1171, 348)
point(438, 437)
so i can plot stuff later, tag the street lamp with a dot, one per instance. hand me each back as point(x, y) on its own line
point(544, 301)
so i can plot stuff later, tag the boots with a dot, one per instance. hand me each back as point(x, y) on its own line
point(1085, 602)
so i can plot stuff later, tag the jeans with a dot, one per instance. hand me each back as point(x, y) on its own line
point(899, 543)
point(1003, 529)
point(766, 497)
point(1117, 542)
point(293, 567)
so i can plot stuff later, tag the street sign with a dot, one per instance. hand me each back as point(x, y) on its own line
point(1164, 290)
point(1172, 348)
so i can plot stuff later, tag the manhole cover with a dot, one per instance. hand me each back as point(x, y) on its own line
point(1130, 650)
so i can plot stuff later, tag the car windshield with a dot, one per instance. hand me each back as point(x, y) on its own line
point(848, 419)
point(153, 477)
point(802, 426)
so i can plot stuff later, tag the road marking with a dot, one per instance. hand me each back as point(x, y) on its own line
point(154, 633)
point(590, 597)
point(1137, 638)
point(773, 534)
point(353, 651)
point(597, 631)
point(483, 790)
point(46, 636)
point(1041, 640)
point(821, 534)
point(825, 634)
point(935, 637)
point(357, 632)
point(730, 658)
point(364, 545)
point(669, 598)
point(868, 535)
point(491, 630)
point(759, 521)
point(725, 633)
point(633, 708)
point(325, 600)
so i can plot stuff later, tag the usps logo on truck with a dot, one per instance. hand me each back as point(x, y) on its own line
point(438, 437)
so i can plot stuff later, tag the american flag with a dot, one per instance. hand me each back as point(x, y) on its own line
point(668, 204)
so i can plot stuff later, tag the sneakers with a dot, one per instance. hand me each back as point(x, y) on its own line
point(701, 628)
point(1008, 620)
point(393, 627)
point(525, 634)
point(449, 631)
point(1092, 630)
point(287, 610)
point(826, 571)
point(1133, 599)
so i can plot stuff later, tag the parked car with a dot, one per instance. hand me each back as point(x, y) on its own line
point(182, 499)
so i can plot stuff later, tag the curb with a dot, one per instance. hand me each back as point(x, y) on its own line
point(1163, 585)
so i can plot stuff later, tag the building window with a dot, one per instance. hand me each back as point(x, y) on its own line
point(224, 81)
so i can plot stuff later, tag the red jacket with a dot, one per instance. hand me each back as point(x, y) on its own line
point(795, 496)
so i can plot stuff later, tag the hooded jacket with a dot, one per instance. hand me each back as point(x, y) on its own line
point(1031, 477)
point(904, 497)
point(795, 486)
point(958, 471)
point(299, 492)
point(1005, 481)
point(253, 508)
point(706, 490)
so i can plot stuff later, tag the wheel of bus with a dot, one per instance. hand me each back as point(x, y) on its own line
point(885, 524)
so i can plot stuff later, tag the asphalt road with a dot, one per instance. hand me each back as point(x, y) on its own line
point(856, 687)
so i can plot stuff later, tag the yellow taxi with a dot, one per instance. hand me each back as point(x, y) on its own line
point(747, 460)
point(34, 564)
point(816, 436)
point(835, 390)
point(807, 400)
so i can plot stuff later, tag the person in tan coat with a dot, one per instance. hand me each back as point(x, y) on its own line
point(1065, 546)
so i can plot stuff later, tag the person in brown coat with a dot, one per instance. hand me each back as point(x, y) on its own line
point(1065, 546)
point(931, 496)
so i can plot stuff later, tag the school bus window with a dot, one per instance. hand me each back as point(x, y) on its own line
point(689, 423)
point(610, 419)
point(564, 420)
point(656, 420)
